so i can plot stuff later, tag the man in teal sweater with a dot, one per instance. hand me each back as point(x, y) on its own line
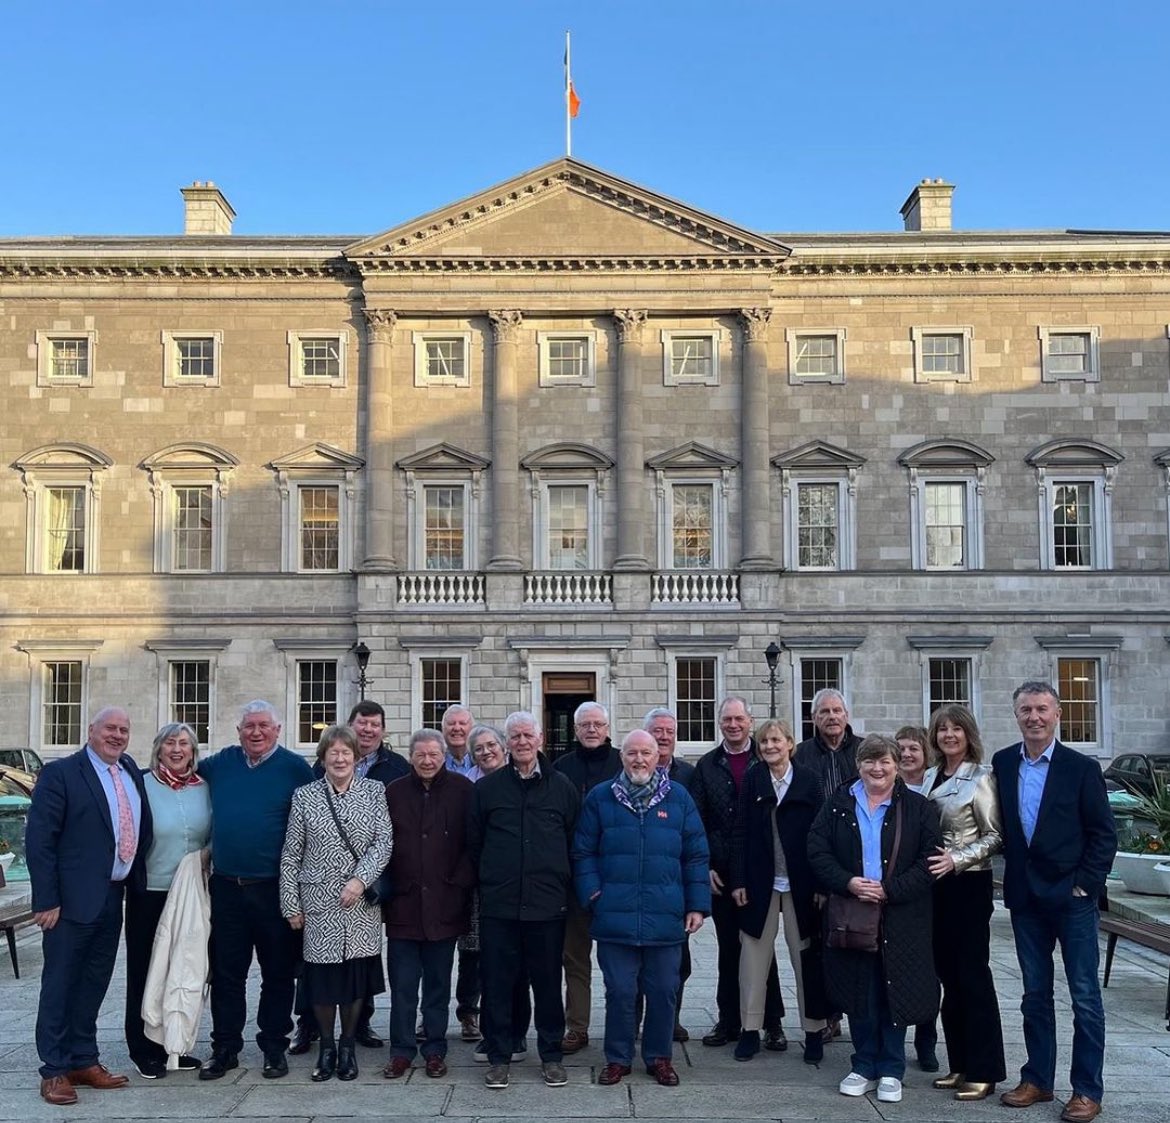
point(251, 788)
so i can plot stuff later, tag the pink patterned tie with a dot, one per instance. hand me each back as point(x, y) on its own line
point(127, 841)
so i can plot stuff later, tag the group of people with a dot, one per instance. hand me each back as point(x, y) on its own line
point(872, 855)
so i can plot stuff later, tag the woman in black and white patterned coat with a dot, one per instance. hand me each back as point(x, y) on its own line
point(338, 841)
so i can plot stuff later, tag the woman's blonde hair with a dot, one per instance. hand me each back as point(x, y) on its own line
point(775, 725)
point(174, 729)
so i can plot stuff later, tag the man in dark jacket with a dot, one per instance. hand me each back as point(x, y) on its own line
point(831, 752)
point(521, 827)
point(591, 760)
point(715, 789)
point(432, 877)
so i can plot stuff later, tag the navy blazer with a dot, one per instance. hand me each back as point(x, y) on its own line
point(1075, 837)
point(69, 842)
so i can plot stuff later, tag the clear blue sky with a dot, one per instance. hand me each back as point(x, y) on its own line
point(350, 116)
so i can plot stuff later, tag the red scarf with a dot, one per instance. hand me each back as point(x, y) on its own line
point(176, 783)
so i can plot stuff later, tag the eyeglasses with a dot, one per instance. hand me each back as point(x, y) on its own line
point(593, 725)
point(485, 745)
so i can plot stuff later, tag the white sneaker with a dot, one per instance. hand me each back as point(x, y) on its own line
point(889, 1090)
point(856, 1085)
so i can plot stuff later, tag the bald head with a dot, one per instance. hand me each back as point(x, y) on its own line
point(639, 756)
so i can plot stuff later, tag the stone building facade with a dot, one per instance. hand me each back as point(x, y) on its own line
point(570, 438)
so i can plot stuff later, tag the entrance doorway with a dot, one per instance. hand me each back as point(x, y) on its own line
point(562, 693)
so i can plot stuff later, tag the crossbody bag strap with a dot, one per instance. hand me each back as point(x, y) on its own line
point(341, 830)
point(897, 837)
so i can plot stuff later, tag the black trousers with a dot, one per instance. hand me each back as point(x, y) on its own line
point(962, 956)
point(725, 917)
point(467, 985)
point(143, 910)
point(511, 950)
point(245, 919)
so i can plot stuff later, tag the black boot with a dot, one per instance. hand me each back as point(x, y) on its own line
point(347, 1068)
point(326, 1063)
point(814, 1047)
point(303, 1037)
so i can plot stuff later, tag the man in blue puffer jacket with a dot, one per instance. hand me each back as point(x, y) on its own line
point(640, 867)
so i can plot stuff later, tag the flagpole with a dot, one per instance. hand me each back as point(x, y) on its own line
point(568, 114)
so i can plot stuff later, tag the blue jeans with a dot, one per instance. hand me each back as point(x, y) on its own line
point(879, 1046)
point(412, 962)
point(1037, 931)
point(628, 971)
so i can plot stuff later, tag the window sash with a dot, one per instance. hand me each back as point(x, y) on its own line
point(1079, 683)
point(69, 359)
point(320, 358)
point(445, 359)
point(1072, 525)
point(65, 529)
point(816, 354)
point(316, 698)
point(195, 357)
point(568, 359)
point(816, 674)
point(61, 698)
point(1068, 352)
point(691, 356)
point(189, 695)
point(319, 527)
point(818, 526)
point(946, 525)
point(191, 533)
point(949, 681)
point(942, 354)
point(692, 526)
point(695, 702)
point(568, 527)
point(442, 687)
point(444, 527)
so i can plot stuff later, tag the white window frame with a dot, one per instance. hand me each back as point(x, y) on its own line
point(422, 377)
point(1103, 649)
point(968, 648)
point(168, 652)
point(344, 530)
point(1092, 373)
point(669, 335)
point(919, 334)
point(696, 748)
point(296, 358)
point(794, 336)
point(796, 657)
point(719, 530)
point(172, 358)
point(587, 378)
point(846, 519)
point(973, 556)
point(39, 477)
point(163, 486)
point(40, 653)
point(429, 654)
point(1091, 748)
point(1101, 514)
point(317, 465)
point(542, 484)
point(297, 651)
point(416, 516)
point(44, 344)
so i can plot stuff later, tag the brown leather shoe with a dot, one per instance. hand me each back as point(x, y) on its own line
point(57, 1090)
point(575, 1040)
point(98, 1076)
point(1025, 1095)
point(436, 1067)
point(1080, 1109)
point(397, 1067)
point(663, 1071)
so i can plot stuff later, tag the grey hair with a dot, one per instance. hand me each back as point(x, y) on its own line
point(1035, 686)
point(478, 731)
point(519, 717)
point(105, 712)
point(826, 692)
point(747, 706)
point(259, 706)
point(421, 735)
point(657, 712)
point(585, 707)
point(452, 710)
point(173, 729)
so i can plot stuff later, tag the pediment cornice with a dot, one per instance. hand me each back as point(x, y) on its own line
point(317, 457)
point(818, 455)
point(443, 457)
point(691, 455)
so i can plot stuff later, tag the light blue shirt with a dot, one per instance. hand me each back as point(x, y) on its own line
point(1033, 777)
point(121, 870)
point(870, 825)
point(182, 823)
point(465, 767)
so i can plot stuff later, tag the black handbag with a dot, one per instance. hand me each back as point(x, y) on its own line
point(379, 890)
point(855, 925)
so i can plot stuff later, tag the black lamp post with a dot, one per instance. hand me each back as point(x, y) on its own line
point(772, 654)
point(362, 654)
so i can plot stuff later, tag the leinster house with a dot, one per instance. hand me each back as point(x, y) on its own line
point(571, 439)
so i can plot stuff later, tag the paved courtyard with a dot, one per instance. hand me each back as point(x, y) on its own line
point(714, 1086)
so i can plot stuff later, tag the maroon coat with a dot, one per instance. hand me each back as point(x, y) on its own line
point(430, 872)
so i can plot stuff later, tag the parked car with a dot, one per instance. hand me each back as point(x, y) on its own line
point(26, 760)
point(1136, 771)
point(18, 779)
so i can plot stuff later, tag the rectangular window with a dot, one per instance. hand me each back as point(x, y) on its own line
point(196, 358)
point(1072, 525)
point(568, 527)
point(443, 527)
point(568, 359)
point(65, 529)
point(946, 525)
point(816, 674)
point(1070, 353)
point(316, 698)
point(320, 358)
point(816, 355)
point(61, 703)
point(692, 526)
point(69, 360)
point(192, 529)
point(695, 679)
point(446, 360)
point(189, 697)
point(942, 354)
point(442, 686)
point(950, 681)
point(690, 358)
point(1079, 684)
point(319, 527)
point(817, 525)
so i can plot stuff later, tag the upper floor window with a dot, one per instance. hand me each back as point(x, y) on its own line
point(1069, 353)
point(1075, 489)
point(191, 358)
point(693, 482)
point(65, 525)
point(818, 525)
point(442, 358)
point(816, 355)
point(942, 354)
point(444, 526)
point(567, 482)
point(567, 358)
point(442, 507)
point(316, 509)
point(189, 482)
point(319, 525)
point(192, 530)
point(317, 358)
point(65, 358)
point(818, 500)
point(946, 503)
point(691, 358)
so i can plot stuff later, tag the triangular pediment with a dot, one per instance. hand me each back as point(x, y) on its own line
point(317, 457)
point(692, 455)
point(443, 458)
point(818, 456)
point(568, 209)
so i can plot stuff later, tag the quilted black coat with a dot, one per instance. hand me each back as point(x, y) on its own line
point(834, 850)
point(713, 790)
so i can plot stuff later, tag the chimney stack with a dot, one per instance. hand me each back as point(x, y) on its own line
point(207, 212)
point(928, 206)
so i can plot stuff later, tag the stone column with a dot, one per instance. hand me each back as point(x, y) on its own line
point(755, 492)
point(379, 530)
point(631, 456)
point(505, 521)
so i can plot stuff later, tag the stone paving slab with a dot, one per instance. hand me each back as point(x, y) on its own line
point(277, 1098)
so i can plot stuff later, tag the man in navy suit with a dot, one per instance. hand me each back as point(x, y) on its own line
point(88, 822)
point(1059, 841)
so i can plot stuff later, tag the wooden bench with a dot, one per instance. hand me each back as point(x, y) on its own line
point(9, 922)
point(1149, 935)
